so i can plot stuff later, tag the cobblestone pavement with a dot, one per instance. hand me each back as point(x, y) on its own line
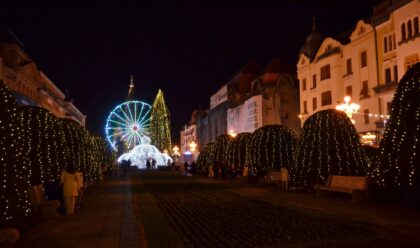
point(164, 209)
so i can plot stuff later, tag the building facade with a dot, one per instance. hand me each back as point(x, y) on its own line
point(364, 63)
point(31, 86)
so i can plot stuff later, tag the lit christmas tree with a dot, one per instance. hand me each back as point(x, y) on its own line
point(329, 145)
point(160, 124)
point(220, 148)
point(270, 148)
point(206, 157)
point(14, 171)
point(236, 150)
point(396, 170)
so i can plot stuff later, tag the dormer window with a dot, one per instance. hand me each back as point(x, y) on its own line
point(329, 47)
point(361, 30)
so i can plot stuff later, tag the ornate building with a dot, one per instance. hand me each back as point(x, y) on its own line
point(364, 63)
point(30, 85)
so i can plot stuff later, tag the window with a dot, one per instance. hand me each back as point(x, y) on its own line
point(305, 107)
point(314, 103)
point(409, 29)
point(395, 73)
point(363, 59)
point(349, 91)
point(304, 84)
point(364, 93)
point(326, 98)
point(313, 81)
point(366, 116)
point(403, 32)
point(325, 72)
point(388, 107)
point(385, 44)
point(416, 25)
point(388, 75)
point(349, 69)
point(390, 42)
point(393, 38)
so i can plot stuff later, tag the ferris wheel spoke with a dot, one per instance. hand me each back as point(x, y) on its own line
point(124, 120)
point(141, 112)
point(131, 115)
point(126, 116)
point(135, 112)
point(144, 116)
point(118, 123)
point(123, 132)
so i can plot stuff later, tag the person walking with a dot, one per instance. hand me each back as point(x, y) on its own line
point(69, 180)
point(80, 188)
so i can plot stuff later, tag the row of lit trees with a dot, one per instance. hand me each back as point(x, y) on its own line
point(35, 147)
point(329, 145)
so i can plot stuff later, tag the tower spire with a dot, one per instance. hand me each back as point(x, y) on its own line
point(131, 91)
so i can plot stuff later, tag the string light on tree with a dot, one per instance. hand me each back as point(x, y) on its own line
point(160, 124)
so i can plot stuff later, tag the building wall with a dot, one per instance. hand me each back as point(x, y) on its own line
point(31, 86)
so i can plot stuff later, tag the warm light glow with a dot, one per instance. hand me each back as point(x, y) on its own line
point(368, 138)
point(232, 133)
point(175, 149)
point(348, 108)
point(193, 146)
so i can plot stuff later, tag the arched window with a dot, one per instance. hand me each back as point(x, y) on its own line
point(385, 45)
point(416, 25)
point(403, 32)
point(409, 29)
point(390, 42)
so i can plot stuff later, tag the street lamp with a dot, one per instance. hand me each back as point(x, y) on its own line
point(348, 108)
point(232, 133)
point(176, 154)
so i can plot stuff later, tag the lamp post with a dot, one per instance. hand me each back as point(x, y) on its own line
point(193, 147)
point(232, 133)
point(348, 108)
point(176, 154)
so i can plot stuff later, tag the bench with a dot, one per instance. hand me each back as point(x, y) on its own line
point(42, 208)
point(354, 185)
point(278, 177)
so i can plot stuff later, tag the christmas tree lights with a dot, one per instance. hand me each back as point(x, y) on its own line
point(396, 170)
point(206, 157)
point(14, 171)
point(270, 148)
point(160, 124)
point(220, 148)
point(236, 150)
point(329, 145)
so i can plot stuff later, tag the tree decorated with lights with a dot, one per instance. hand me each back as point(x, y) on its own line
point(270, 148)
point(396, 170)
point(45, 144)
point(206, 157)
point(220, 148)
point(14, 171)
point(329, 145)
point(160, 124)
point(236, 150)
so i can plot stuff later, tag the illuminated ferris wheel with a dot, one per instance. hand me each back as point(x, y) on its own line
point(128, 122)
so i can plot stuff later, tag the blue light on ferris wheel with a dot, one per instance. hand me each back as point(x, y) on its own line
point(128, 121)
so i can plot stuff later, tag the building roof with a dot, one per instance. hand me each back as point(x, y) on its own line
point(277, 66)
point(382, 10)
point(313, 42)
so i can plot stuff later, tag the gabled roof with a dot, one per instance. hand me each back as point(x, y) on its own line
point(277, 66)
point(313, 41)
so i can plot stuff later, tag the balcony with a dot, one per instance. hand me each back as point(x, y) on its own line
point(390, 86)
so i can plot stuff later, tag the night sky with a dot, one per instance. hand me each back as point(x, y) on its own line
point(187, 49)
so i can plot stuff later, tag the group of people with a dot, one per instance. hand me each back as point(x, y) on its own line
point(151, 164)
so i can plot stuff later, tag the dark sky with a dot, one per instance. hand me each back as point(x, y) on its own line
point(186, 48)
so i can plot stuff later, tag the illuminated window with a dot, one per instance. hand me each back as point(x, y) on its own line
point(313, 81)
point(364, 93)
